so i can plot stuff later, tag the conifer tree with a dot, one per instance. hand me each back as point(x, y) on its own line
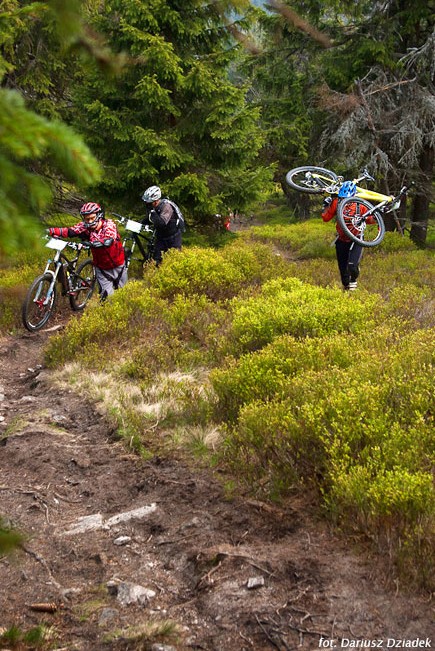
point(34, 150)
point(172, 117)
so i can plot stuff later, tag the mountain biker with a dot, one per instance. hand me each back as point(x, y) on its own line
point(348, 253)
point(167, 220)
point(106, 246)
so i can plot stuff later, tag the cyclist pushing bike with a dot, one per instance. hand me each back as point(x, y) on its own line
point(348, 252)
point(106, 246)
point(167, 219)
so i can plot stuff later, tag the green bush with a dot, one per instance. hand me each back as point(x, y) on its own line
point(389, 501)
point(351, 415)
point(125, 316)
point(216, 274)
point(308, 239)
point(197, 271)
point(302, 310)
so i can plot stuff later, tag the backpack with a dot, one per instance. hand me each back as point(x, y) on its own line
point(180, 219)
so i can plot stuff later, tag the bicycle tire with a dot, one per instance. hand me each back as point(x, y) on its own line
point(34, 314)
point(309, 184)
point(83, 286)
point(350, 216)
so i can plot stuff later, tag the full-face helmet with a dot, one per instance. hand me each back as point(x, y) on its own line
point(89, 209)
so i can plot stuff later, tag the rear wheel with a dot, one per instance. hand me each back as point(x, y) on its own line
point(37, 307)
point(83, 285)
point(313, 180)
point(352, 216)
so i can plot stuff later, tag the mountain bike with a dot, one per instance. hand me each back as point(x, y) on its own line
point(77, 281)
point(137, 235)
point(353, 213)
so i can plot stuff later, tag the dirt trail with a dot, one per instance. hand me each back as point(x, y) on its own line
point(163, 544)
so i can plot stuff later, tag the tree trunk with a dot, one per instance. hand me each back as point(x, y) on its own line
point(300, 203)
point(420, 206)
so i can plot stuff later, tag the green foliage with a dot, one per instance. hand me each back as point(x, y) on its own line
point(24, 193)
point(186, 126)
point(101, 328)
point(309, 239)
point(311, 385)
point(291, 306)
point(353, 415)
point(37, 637)
point(217, 274)
point(10, 539)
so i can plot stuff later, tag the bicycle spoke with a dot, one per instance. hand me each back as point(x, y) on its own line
point(361, 222)
point(39, 303)
point(313, 180)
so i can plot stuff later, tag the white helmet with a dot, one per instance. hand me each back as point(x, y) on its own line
point(152, 194)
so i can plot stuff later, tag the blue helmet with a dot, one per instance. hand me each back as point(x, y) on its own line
point(348, 189)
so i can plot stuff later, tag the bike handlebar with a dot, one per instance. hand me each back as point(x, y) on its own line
point(77, 246)
point(123, 221)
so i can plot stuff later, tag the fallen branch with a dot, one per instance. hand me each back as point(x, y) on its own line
point(43, 563)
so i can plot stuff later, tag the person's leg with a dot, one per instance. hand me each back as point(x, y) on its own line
point(105, 282)
point(158, 250)
point(173, 242)
point(355, 254)
point(342, 252)
point(123, 277)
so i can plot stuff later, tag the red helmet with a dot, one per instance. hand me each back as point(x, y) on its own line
point(90, 208)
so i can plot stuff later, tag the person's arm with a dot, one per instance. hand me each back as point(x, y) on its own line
point(72, 231)
point(329, 208)
point(163, 217)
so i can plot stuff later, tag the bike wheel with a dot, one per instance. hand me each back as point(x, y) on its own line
point(36, 311)
point(83, 285)
point(313, 180)
point(351, 216)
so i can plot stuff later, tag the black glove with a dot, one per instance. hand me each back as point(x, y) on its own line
point(326, 203)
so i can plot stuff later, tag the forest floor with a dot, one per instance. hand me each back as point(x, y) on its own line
point(122, 553)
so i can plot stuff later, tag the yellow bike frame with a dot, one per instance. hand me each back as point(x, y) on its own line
point(370, 195)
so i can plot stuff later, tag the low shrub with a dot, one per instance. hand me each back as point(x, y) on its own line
point(297, 308)
point(197, 271)
point(308, 239)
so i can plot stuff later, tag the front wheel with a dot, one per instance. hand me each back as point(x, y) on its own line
point(83, 285)
point(39, 302)
point(360, 228)
point(313, 180)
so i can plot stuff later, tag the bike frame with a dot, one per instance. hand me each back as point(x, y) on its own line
point(59, 261)
point(135, 233)
point(371, 195)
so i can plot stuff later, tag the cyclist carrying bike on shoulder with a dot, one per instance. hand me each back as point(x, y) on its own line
point(348, 253)
point(106, 246)
point(167, 220)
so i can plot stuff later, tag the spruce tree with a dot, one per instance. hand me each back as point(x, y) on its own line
point(173, 116)
point(35, 152)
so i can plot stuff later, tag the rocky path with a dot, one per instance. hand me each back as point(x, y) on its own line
point(123, 553)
